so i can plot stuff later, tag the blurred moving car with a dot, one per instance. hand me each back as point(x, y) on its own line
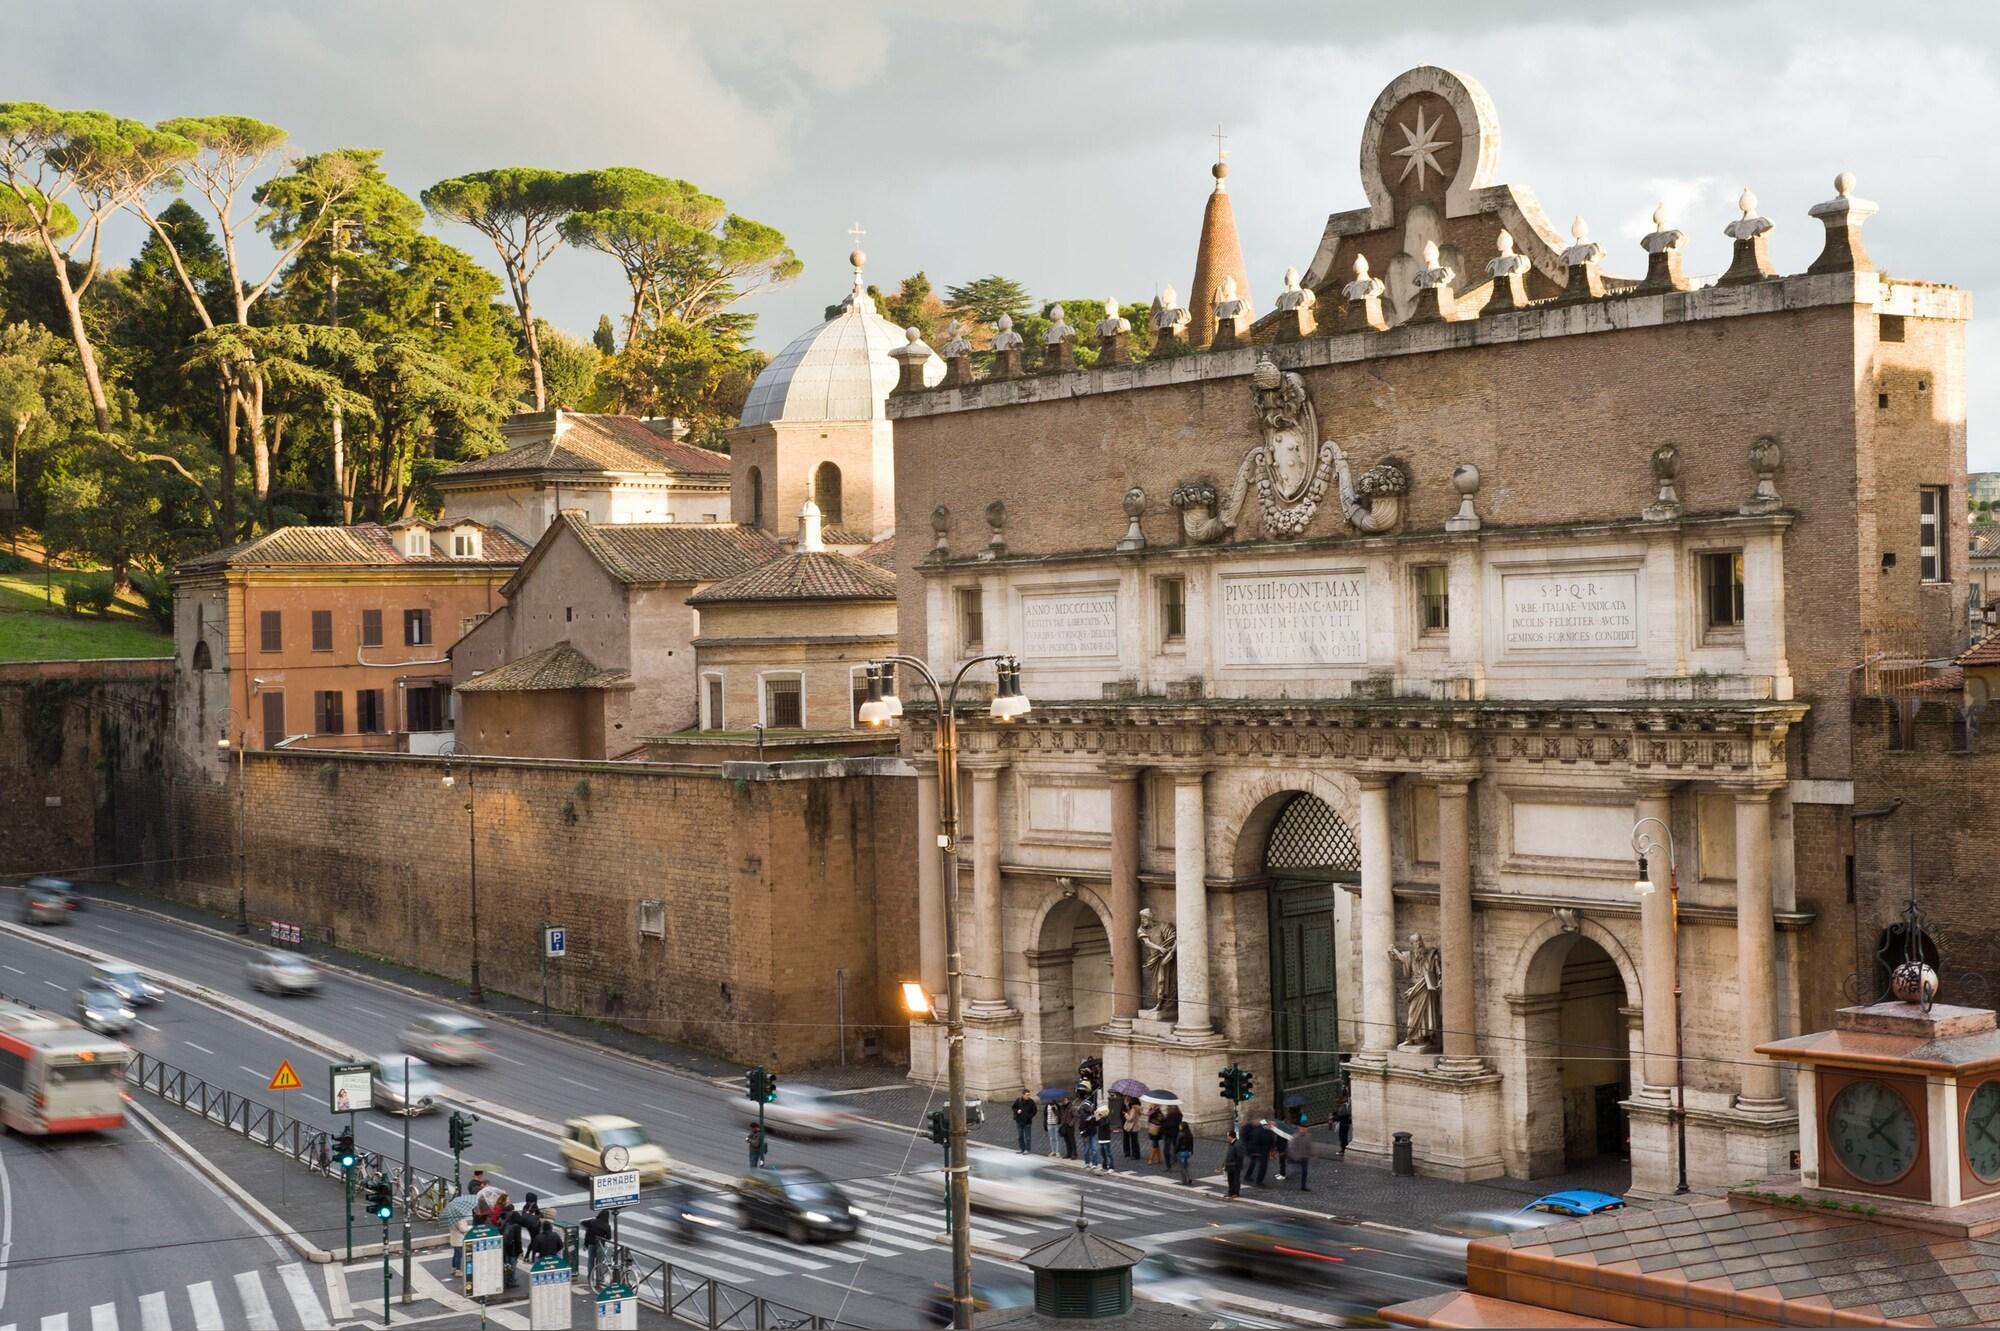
point(282, 973)
point(41, 906)
point(1545, 1210)
point(61, 887)
point(585, 1140)
point(1290, 1251)
point(802, 1204)
point(103, 1011)
point(448, 1038)
point(1158, 1278)
point(128, 982)
point(423, 1094)
point(1012, 1185)
point(799, 1111)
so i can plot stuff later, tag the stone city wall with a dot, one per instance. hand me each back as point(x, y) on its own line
point(768, 885)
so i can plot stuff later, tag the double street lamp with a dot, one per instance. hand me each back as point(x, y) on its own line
point(1645, 845)
point(881, 708)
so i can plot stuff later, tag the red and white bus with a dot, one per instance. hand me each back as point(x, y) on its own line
point(55, 1076)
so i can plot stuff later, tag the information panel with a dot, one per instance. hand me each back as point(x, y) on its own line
point(1577, 612)
point(1295, 619)
point(483, 1257)
point(1067, 625)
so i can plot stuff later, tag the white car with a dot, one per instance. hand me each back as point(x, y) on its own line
point(1007, 1184)
point(424, 1092)
point(799, 1111)
point(447, 1037)
point(283, 973)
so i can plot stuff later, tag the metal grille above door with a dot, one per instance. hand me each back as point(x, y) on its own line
point(1309, 840)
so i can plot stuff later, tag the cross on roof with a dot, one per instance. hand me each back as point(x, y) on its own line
point(1220, 151)
point(856, 232)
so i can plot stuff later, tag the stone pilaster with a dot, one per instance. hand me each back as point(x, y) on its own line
point(1461, 1012)
point(1191, 905)
point(1378, 922)
point(984, 976)
point(1756, 955)
point(1125, 977)
point(930, 887)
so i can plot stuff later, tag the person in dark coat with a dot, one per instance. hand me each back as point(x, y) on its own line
point(1066, 1124)
point(595, 1235)
point(1104, 1157)
point(1024, 1121)
point(1184, 1153)
point(548, 1242)
point(1154, 1118)
point(1232, 1165)
point(758, 1145)
point(1342, 1121)
point(511, 1236)
point(1302, 1150)
point(1256, 1152)
point(1170, 1133)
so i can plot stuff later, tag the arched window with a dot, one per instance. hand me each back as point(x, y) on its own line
point(202, 659)
point(756, 497)
point(826, 493)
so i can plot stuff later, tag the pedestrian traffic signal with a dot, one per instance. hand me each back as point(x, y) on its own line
point(1236, 1084)
point(940, 1126)
point(1248, 1086)
point(343, 1149)
point(763, 1085)
point(381, 1202)
point(461, 1131)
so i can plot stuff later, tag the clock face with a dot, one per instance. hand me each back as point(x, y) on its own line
point(1872, 1132)
point(1982, 1132)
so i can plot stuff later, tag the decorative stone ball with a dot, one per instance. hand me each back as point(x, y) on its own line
point(940, 519)
point(1765, 455)
point(1914, 982)
point(1135, 502)
point(1843, 184)
point(1465, 478)
point(1667, 461)
point(1266, 374)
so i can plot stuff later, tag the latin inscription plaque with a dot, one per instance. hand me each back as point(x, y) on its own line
point(1063, 625)
point(1294, 619)
point(1570, 612)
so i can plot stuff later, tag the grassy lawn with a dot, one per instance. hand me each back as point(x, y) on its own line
point(32, 628)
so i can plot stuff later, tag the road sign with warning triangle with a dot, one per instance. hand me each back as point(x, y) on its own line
point(284, 1079)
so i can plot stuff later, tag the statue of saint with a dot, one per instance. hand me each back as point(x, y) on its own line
point(1157, 948)
point(1423, 979)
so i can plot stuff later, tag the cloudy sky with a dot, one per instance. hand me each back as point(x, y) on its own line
point(1067, 144)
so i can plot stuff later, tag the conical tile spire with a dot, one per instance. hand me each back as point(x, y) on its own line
point(1219, 255)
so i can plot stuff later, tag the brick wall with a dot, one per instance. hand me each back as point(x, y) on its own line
point(770, 886)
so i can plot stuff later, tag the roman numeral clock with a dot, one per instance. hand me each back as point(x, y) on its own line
point(1901, 1100)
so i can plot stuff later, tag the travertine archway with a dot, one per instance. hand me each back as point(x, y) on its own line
point(1069, 983)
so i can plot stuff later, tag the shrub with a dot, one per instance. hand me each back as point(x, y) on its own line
point(158, 594)
point(91, 595)
point(13, 563)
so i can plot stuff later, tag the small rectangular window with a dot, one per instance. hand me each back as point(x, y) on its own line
point(327, 713)
point(416, 628)
point(368, 718)
point(1722, 589)
point(1931, 512)
point(322, 630)
point(714, 703)
point(371, 628)
point(1902, 725)
point(1173, 609)
point(1889, 327)
point(652, 919)
point(1433, 599)
point(782, 704)
point(271, 630)
point(971, 620)
point(274, 718)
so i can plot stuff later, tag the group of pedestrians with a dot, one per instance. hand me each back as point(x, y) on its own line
point(1253, 1146)
point(528, 1230)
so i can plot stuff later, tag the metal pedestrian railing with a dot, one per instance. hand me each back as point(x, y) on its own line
point(423, 1192)
point(689, 1296)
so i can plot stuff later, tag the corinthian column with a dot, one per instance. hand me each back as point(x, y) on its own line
point(1378, 921)
point(1125, 977)
point(1756, 953)
point(1656, 931)
point(1461, 1020)
point(1191, 906)
point(984, 980)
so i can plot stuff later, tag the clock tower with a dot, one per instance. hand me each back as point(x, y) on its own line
point(1900, 1100)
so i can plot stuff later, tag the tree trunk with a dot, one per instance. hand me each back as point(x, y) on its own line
point(229, 397)
point(85, 356)
point(340, 472)
point(260, 448)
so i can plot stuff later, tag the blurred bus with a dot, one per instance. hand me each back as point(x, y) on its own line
point(55, 1076)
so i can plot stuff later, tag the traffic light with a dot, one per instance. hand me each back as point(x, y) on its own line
point(763, 1085)
point(940, 1126)
point(461, 1131)
point(1248, 1085)
point(343, 1149)
point(1229, 1083)
point(381, 1202)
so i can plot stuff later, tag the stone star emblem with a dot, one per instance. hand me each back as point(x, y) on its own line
point(1420, 149)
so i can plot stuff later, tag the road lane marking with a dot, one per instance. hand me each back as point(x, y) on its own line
point(664, 1110)
point(256, 1308)
point(252, 1071)
point(504, 1059)
point(541, 1160)
point(582, 1085)
point(109, 930)
point(16, 969)
point(52, 984)
point(192, 1045)
point(153, 1315)
point(363, 1007)
point(207, 1312)
point(56, 1322)
point(755, 1252)
point(147, 1024)
point(299, 1285)
point(336, 1292)
point(840, 1284)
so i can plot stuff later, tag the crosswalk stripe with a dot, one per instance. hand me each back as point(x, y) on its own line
point(803, 1263)
point(338, 1306)
point(874, 1232)
point(256, 1308)
point(56, 1322)
point(104, 1317)
point(304, 1299)
point(207, 1312)
point(717, 1266)
point(153, 1314)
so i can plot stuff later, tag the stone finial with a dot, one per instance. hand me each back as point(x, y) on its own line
point(1135, 508)
point(912, 359)
point(1465, 480)
point(1509, 274)
point(1663, 255)
point(1059, 342)
point(957, 353)
point(1751, 232)
point(1114, 336)
point(1581, 259)
point(1843, 215)
point(1006, 349)
point(1666, 505)
point(1363, 297)
point(996, 523)
point(1170, 323)
point(1294, 309)
point(941, 532)
point(1434, 300)
point(1232, 317)
point(1766, 455)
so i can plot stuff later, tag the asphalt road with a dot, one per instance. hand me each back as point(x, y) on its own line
point(881, 1279)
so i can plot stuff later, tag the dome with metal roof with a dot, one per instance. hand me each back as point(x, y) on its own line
point(840, 371)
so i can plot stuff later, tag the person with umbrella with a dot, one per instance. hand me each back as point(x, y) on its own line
point(1131, 1114)
point(1024, 1121)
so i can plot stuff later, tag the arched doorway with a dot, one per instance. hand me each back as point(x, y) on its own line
point(1071, 966)
point(1577, 1053)
point(1309, 852)
point(826, 493)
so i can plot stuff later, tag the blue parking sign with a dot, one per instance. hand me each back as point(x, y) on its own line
point(555, 942)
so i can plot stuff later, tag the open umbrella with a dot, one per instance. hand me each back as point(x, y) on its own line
point(1127, 1086)
point(1165, 1099)
point(458, 1208)
point(1052, 1094)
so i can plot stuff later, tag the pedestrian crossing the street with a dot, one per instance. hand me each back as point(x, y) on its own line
point(245, 1300)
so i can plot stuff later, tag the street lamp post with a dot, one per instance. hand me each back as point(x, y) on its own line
point(474, 993)
point(1645, 845)
point(224, 744)
point(882, 707)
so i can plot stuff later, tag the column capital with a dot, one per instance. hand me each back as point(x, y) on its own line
point(1187, 776)
point(1754, 794)
point(982, 769)
point(1456, 788)
point(1123, 773)
point(1651, 790)
point(1375, 780)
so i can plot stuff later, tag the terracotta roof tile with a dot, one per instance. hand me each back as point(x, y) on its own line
point(362, 544)
point(820, 575)
point(1986, 652)
point(846, 536)
point(582, 443)
point(1985, 540)
point(558, 666)
point(883, 552)
point(673, 551)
